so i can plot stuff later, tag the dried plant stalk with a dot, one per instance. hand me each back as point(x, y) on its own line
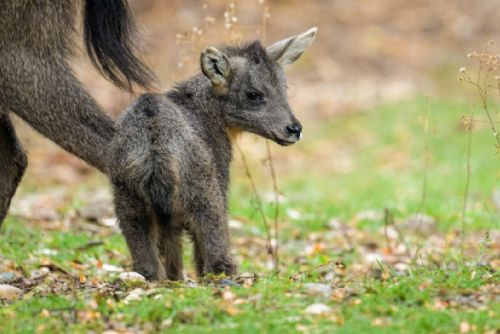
point(191, 43)
point(468, 126)
point(488, 64)
point(260, 207)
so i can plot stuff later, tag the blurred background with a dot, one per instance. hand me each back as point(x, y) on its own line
point(377, 94)
point(391, 200)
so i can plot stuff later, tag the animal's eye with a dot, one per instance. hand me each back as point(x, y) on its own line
point(254, 97)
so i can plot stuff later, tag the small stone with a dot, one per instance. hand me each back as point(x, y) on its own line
point(167, 323)
point(93, 212)
point(46, 251)
point(293, 214)
point(369, 214)
point(319, 289)
point(35, 274)
point(98, 208)
point(131, 276)
point(228, 282)
point(7, 277)
point(134, 295)
point(111, 268)
point(235, 224)
point(10, 292)
point(318, 309)
point(110, 222)
point(420, 224)
point(110, 331)
point(374, 257)
point(157, 292)
point(228, 296)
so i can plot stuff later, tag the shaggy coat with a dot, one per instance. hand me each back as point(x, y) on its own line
point(169, 160)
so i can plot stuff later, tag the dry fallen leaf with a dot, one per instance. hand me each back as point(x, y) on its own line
point(134, 295)
point(324, 290)
point(228, 296)
point(464, 327)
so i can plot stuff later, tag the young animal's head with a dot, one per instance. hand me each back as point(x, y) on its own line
point(251, 83)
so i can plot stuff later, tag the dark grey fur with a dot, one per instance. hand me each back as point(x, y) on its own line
point(37, 84)
point(169, 160)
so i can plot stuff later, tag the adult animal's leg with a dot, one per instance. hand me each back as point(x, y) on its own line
point(13, 162)
point(45, 93)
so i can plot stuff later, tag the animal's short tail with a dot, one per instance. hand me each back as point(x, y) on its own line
point(108, 34)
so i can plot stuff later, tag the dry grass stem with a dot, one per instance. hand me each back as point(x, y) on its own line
point(468, 123)
point(232, 32)
point(260, 207)
point(488, 64)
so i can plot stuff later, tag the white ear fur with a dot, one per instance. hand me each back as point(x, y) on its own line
point(288, 50)
point(216, 67)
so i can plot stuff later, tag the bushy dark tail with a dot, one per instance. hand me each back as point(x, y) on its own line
point(108, 34)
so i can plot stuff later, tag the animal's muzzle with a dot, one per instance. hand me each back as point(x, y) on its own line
point(294, 129)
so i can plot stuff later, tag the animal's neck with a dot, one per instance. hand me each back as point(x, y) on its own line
point(205, 110)
point(197, 97)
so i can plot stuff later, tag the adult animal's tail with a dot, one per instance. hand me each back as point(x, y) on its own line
point(108, 34)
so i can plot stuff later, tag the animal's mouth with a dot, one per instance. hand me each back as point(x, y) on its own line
point(283, 142)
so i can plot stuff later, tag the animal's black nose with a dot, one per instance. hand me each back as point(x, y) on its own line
point(294, 129)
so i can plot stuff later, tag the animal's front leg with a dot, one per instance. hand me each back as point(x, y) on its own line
point(212, 246)
point(141, 234)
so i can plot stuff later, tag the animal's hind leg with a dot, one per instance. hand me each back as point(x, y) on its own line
point(13, 162)
point(170, 246)
point(140, 232)
point(199, 259)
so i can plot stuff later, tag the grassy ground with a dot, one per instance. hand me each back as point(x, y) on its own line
point(349, 241)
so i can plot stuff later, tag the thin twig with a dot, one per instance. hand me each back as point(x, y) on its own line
point(89, 245)
point(468, 127)
point(424, 181)
point(388, 220)
point(275, 247)
point(276, 204)
point(300, 273)
point(259, 202)
point(482, 86)
point(490, 119)
point(75, 300)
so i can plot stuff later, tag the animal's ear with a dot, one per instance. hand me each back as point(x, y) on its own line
point(288, 50)
point(215, 65)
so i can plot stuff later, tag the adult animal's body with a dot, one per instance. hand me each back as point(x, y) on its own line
point(37, 84)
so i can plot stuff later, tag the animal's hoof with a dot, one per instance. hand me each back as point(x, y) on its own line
point(150, 274)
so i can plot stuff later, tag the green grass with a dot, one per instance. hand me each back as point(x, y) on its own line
point(439, 292)
point(386, 148)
